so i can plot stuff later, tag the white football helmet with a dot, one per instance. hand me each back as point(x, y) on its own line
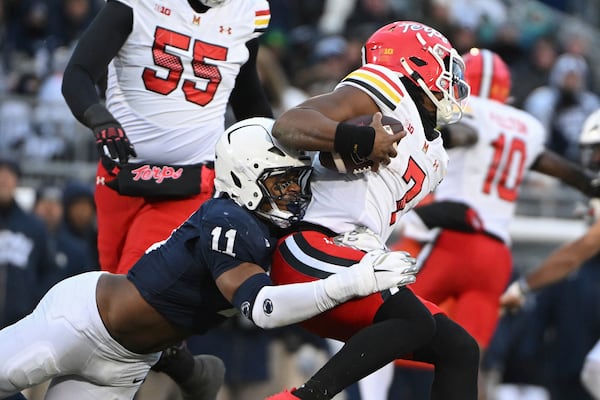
point(246, 155)
point(589, 141)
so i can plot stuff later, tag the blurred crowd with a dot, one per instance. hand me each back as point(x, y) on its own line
point(309, 47)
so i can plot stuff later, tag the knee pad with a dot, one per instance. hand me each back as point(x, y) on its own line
point(32, 369)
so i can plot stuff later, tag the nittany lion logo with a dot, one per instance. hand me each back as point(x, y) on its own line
point(268, 306)
point(245, 308)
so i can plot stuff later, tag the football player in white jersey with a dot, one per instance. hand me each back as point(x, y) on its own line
point(173, 67)
point(475, 203)
point(412, 73)
point(569, 257)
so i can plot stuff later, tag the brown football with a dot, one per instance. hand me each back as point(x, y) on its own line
point(350, 164)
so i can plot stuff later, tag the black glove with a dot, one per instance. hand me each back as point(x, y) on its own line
point(109, 133)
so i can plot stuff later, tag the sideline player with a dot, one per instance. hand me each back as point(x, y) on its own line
point(466, 226)
point(411, 73)
point(172, 70)
point(97, 334)
point(570, 256)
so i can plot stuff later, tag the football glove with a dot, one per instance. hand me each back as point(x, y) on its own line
point(515, 295)
point(378, 270)
point(109, 134)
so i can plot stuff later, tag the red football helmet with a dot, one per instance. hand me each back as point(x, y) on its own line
point(427, 58)
point(487, 74)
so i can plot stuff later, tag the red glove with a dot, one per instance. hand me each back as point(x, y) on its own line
point(108, 133)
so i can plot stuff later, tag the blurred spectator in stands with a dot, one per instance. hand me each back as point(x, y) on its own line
point(514, 360)
point(28, 36)
point(463, 37)
point(563, 104)
point(15, 123)
point(436, 13)
point(71, 254)
point(474, 13)
point(533, 70)
point(281, 94)
point(80, 216)
point(24, 259)
point(506, 43)
point(376, 12)
point(3, 65)
point(329, 65)
point(71, 18)
point(570, 314)
point(334, 17)
point(58, 135)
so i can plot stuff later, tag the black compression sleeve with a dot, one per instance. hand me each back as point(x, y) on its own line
point(96, 48)
point(402, 324)
point(248, 98)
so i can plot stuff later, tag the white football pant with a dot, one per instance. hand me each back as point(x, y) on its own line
point(64, 339)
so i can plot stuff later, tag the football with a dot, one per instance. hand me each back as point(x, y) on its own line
point(351, 164)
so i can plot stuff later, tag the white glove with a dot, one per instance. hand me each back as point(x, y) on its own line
point(515, 295)
point(378, 270)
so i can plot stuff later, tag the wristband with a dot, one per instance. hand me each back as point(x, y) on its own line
point(523, 286)
point(353, 139)
point(96, 115)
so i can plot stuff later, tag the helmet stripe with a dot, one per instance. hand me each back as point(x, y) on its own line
point(487, 73)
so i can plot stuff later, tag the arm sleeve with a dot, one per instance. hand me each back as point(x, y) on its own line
point(271, 306)
point(96, 48)
point(248, 98)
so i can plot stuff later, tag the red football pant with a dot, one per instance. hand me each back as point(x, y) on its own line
point(127, 225)
point(344, 320)
point(467, 272)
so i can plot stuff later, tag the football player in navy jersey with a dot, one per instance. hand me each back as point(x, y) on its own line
point(173, 68)
point(97, 334)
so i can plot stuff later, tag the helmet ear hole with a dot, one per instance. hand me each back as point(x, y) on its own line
point(236, 180)
point(418, 61)
point(277, 151)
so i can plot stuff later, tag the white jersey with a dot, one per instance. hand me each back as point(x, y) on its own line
point(376, 200)
point(170, 83)
point(487, 176)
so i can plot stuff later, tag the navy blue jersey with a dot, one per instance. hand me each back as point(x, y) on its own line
point(178, 277)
